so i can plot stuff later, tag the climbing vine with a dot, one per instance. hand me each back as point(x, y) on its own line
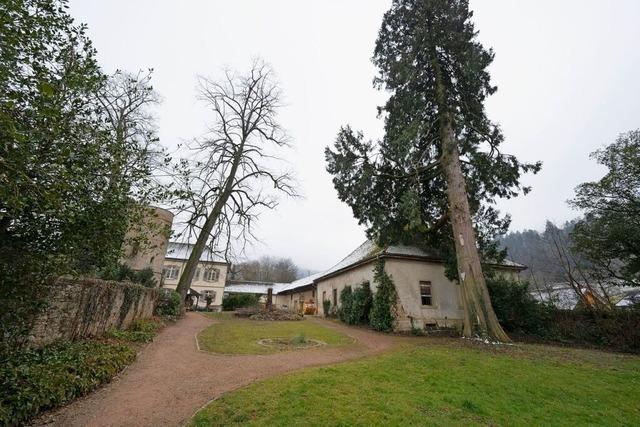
point(383, 309)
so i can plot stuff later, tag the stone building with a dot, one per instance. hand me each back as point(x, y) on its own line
point(146, 243)
point(210, 277)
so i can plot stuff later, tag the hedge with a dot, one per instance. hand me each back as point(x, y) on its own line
point(33, 380)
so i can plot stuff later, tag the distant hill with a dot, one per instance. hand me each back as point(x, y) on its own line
point(539, 252)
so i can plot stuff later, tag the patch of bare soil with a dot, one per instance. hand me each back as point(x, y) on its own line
point(172, 379)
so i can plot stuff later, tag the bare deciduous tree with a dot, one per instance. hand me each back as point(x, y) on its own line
point(233, 178)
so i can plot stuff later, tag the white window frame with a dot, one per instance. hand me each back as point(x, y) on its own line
point(208, 273)
point(429, 295)
point(171, 272)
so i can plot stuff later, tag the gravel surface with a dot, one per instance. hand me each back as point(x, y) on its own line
point(172, 378)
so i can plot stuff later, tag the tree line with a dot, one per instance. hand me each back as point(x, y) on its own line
point(600, 248)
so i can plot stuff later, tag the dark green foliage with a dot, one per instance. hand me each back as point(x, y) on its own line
point(355, 305)
point(124, 273)
point(613, 330)
point(361, 302)
point(34, 380)
point(383, 308)
point(344, 310)
point(140, 331)
point(516, 309)
point(518, 312)
point(168, 303)
point(231, 302)
point(395, 186)
point(326, 307)
point(69, 189)
point(610, 231)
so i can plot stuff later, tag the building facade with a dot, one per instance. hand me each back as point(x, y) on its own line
point(146, 243)
point(209, 280)
point(426, 297)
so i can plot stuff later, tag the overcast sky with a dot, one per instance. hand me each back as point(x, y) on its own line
point(567, 73)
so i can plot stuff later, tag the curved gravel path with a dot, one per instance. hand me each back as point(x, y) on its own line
point(172, 379)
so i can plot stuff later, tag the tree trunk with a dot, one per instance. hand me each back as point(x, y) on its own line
point(194, 258)
point(479, 318)
point(270, 299)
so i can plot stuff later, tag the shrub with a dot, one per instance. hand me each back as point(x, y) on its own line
point(344, 311)
point(141, 331)
point(326, 307)
point(516, 309)
point(383, 308)
point(616, 329)
point(124, 273)
point(168, 303)
point(361, 302)
point(232, 302)
point(33, 380)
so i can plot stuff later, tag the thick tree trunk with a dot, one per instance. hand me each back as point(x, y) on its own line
point(479, 320)
point(192, 263)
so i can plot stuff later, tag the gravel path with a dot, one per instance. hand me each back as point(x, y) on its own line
point(172, 379)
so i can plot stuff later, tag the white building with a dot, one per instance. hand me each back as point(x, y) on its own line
point(210, 277)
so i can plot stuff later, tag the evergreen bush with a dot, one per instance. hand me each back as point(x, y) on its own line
point(168, 303)
point(34, 380)
point(124, 273)
point(516, 309)
point(383, 308)
point(326, 308)
point(361, 301)
point(232, 302)
point(344, 310)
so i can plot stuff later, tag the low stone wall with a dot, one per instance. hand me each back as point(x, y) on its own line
point(89, 307)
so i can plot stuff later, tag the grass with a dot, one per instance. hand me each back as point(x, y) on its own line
point(233, 335)
point(442, 385)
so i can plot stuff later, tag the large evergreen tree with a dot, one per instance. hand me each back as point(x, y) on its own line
point(439, 168)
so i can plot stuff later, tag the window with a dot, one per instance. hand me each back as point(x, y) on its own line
point(335, 297)
point(291, 299)
point(171, 272)
point(197, 275)
point(211, 275)
point(324, 295)
point(425, 293)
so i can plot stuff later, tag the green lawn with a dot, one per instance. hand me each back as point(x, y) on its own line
point(239, 336)
point(445, 384)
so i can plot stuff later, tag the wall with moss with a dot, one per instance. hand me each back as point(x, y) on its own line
point(89, 307)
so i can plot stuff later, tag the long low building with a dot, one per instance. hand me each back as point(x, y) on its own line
point(426, 297)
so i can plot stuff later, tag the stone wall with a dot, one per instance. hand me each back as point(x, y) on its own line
point(89, 307)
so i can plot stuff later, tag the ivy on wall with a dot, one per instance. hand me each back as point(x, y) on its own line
point(383, 309)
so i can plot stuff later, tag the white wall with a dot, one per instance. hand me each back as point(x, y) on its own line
point(200, 285)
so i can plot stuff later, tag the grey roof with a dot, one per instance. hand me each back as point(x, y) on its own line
point(248, 287)
point(182, 251)
point(305, 281)
point(369, 249)
point(366, 250)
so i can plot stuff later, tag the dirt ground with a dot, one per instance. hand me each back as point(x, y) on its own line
point(172, 378)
